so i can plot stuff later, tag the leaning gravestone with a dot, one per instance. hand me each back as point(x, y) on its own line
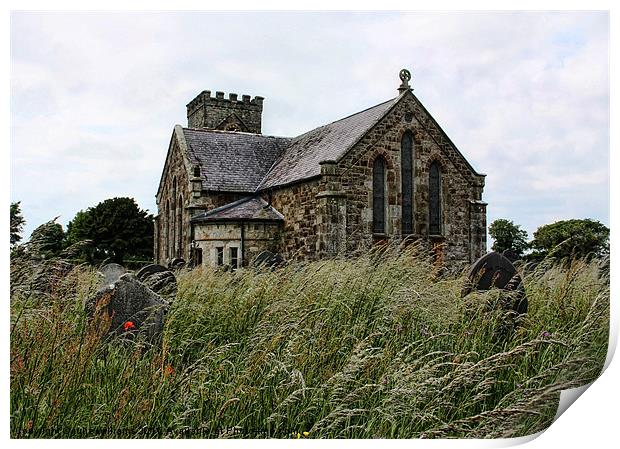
point(149, 270)
point(159, 279)
point(493, 270)
point(177, 262)
point(131, 307)
point(163, 283)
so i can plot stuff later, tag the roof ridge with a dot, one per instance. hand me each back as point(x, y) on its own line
point(348, 116)
point(388, 104)
point(395, 101)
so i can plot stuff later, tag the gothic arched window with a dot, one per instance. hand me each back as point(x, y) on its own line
point(173, 216)
point(166, 222)
point(180, 228)
point(406, 170)
point(378, 196)
point(434, 199)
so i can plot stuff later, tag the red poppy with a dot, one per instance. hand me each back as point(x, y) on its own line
point(128, 325)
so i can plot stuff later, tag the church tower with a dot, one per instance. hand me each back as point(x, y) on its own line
point(226, 114)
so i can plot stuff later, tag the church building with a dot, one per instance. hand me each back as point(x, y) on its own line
point(388, 173)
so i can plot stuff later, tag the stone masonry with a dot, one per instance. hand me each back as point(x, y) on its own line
point(321, 183)
point(229, 114)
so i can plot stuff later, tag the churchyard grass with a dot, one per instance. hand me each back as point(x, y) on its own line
point(377, 346)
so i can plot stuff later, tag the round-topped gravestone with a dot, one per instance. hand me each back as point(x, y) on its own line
point(149, 270)
point(177, 262)
point(111, 273)
point(493, 270)
point(490, 271)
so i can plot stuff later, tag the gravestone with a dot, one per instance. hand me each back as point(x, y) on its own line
point(163, 283)
point(149, 270)
point(132, 308)
point(159, 279)
point(493, 270)
point(177, 262)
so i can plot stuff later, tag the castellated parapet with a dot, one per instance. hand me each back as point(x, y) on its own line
point(227, 114)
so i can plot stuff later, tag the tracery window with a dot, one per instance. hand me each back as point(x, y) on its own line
point(406, 164)
point(434, 202)
point(166, 223)
point(180, 228)
point(173, 219)
point(378, 196)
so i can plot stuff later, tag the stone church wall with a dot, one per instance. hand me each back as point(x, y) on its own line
point(172, 222)
point(334, 213)
point(298, 205)
point(168, 242)
point(459, 187)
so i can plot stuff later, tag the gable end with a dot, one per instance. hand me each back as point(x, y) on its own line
point(449, 149)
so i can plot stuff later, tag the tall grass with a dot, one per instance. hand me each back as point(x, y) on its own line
point(372, 347)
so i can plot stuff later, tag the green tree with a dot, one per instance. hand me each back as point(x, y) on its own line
point(78, 229)
point(48, 239)
point(118, 228)
point(507, 235)
point(17, 222)
point(581, 238)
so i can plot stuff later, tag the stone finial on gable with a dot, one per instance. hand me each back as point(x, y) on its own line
point(405, 77)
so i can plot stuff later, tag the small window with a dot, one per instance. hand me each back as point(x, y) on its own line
point(220, 255)
point(198, 256)
point(234, 257)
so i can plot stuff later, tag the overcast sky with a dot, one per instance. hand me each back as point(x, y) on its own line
point(524, 96)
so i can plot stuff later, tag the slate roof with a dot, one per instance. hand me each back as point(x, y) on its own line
point(301, 157)
point(251, 208)
point(245, 162)
point(232, 161)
